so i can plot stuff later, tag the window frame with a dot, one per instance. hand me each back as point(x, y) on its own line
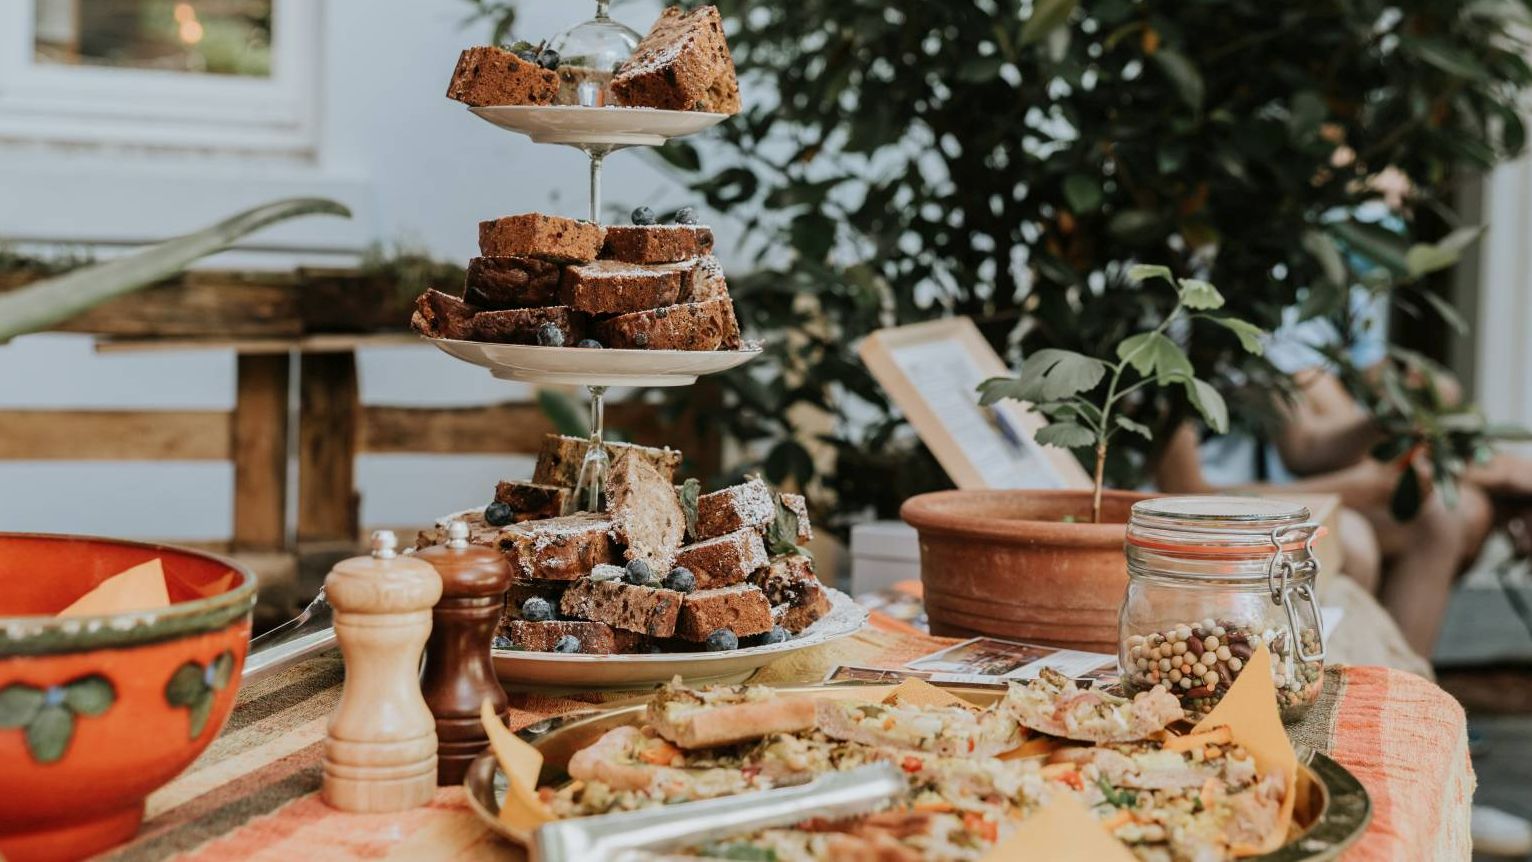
point(92, 105)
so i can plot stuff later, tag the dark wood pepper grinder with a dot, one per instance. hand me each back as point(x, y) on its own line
point(459, 673)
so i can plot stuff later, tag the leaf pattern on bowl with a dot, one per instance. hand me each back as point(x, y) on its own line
point(47, 714)
point(194, 686)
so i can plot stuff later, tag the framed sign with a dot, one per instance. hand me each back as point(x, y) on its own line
point(932, 372)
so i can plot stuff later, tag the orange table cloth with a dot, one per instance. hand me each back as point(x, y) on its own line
point(254, 794)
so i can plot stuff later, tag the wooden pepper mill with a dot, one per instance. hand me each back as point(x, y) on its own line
point(380, 753)
point(459, 674)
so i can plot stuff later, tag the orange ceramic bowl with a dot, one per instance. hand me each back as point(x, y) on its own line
point(96, 712)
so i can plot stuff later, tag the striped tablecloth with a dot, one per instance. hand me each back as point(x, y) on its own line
point(253, 794)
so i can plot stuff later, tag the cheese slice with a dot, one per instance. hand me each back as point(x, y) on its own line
point(522, 810)
point(141, 588)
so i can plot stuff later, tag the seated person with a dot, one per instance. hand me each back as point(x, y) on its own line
point(1326, 443)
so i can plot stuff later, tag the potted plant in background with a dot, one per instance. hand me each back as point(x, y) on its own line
point(1048, 566)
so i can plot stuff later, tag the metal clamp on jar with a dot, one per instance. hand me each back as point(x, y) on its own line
point(1210, 579)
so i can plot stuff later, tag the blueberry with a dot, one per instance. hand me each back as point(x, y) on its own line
point(662, 312)
point(498, 514)
point(567, 643)
point(722, 640)
point(536, 610)
point(549, 335)
point(775, 636)
point(681, 580)
point(529, 56)
point(641, 339)
point(644, 216)
point(589, 344)
point(638, 573)
point(501, 642)
point(686, 215)
point(548, 59)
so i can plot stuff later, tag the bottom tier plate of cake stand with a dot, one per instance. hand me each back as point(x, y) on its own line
point(542, 671)
point(594, 367)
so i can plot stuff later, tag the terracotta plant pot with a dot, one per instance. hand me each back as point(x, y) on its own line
point(97, 712)
point(1012, 564)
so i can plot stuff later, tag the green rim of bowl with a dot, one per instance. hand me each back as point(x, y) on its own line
point(45, 635)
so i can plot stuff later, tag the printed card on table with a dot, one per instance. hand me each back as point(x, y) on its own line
point(991, 660)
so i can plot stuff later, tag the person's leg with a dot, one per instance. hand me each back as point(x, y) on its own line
point(1424, 557)
point(1364, 559)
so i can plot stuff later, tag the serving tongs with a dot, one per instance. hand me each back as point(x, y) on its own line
point(673, 827)
point(309, 633)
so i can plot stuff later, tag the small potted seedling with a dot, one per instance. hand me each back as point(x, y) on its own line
point(1048, 565)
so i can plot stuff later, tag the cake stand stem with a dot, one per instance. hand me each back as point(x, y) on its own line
point(587, 495)
point(596, 157)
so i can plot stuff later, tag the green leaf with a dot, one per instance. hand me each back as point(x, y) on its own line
point(91, 695)
point(691, 490)
point(223, 669)
point(1444, 309)
point(788, 459)
point(1142, 272)
point(185, 685)
point(1444, 56)
point(1065, 435)
point(1408, 495)
point(1137, 227)
point(1209, 404)
point(1047, 16)
point(49, 732)
point(681, 154)
point(1183, 75)
point(1082, 193)
point(19, 702)
point(1378, 245)
point(813, 235)
point(201, 708)
point(782, 532)
point(42, 304)
point(1424, 258)
point(1200, 295)
point(1117, 798)
point(1153, 353)
point(1506, 432)
point(1251, 337)
point(1322, 247)
point(566, 414)
point(1138, 428)
point(1051, 374)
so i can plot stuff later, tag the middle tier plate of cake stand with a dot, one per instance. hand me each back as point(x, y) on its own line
point(594, 367)
point(607, 127)
point(520, 669)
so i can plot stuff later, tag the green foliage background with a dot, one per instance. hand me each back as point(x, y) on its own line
point(901, 160)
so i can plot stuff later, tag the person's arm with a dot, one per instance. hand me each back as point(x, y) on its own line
point(1179, 468)
point(1365, 484)
point(1325, 429)
point(1368, 484)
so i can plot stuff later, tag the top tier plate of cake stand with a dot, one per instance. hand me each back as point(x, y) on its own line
point(607, 127)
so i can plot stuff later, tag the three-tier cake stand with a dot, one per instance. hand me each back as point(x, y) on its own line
point(598, 130)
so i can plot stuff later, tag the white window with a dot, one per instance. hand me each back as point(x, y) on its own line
point(183, 74)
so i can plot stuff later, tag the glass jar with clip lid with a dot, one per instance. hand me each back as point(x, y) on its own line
point(1210, 579)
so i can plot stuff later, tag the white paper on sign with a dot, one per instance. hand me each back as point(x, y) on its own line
point(947, 377)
